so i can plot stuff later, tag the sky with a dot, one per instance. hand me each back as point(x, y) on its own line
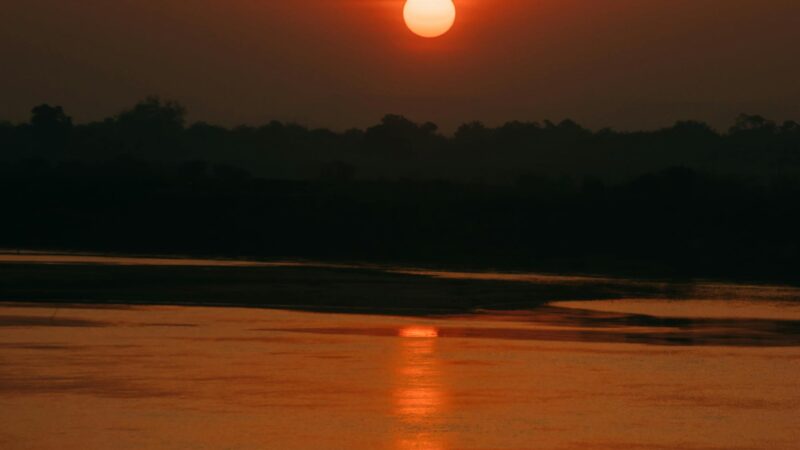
point(626, 64)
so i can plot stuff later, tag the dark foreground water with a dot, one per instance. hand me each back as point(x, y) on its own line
point(613, 377)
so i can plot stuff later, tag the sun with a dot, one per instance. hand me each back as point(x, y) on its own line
point(429, 18)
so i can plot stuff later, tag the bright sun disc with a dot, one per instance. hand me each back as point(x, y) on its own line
point(429, 18)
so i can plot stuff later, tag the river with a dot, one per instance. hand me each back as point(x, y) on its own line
point(692, 374)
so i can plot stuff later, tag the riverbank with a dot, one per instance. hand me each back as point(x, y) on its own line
point(290, 286)
point(71, 278)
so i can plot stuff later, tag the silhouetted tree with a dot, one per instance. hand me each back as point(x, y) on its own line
point(754, 123)
point(691, 129)
point(46, 118)
point(396, 133)
point(51, 128)
point(790, 127)
point(151, 125)
point(473, 134)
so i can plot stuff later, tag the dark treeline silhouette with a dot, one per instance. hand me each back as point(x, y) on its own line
point(682, 201)
point(398, 148)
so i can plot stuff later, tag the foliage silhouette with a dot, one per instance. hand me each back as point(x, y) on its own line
point(682, 201)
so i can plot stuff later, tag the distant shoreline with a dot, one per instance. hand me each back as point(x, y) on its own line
point(76, 278)
point(627, 270)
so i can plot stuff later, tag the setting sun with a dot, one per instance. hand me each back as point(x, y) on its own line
point(429, 18)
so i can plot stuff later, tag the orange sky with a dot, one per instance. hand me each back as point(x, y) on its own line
point(341, 63)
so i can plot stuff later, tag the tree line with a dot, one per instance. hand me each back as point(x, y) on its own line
point(684, 201)
point(398, 148)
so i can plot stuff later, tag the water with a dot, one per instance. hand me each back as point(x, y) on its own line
point(627, 374)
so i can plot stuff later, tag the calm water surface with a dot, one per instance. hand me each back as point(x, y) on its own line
point(716, 369)
point(193, 378)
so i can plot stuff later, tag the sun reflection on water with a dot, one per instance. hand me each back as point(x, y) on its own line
point(419, 395)
point(419, 332)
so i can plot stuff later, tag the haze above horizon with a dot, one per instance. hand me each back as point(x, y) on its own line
point(339, 64)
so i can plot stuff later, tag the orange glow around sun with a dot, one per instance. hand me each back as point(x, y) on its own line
point(429, 18)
